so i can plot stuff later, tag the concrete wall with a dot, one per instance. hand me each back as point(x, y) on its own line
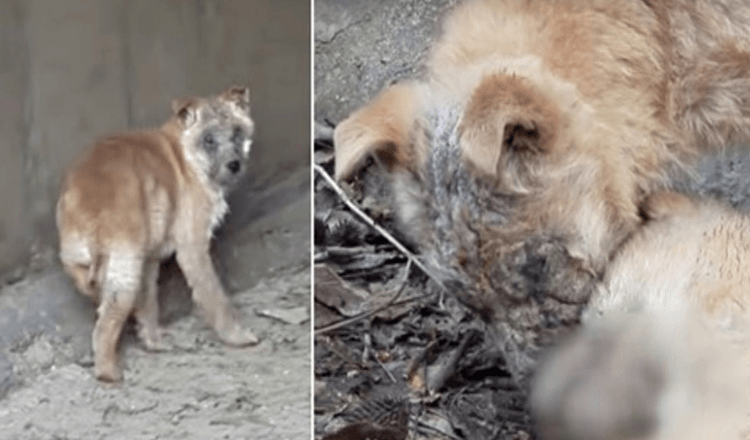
point(74, 69)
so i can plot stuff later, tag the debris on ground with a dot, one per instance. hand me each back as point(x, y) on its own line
point(395, 356)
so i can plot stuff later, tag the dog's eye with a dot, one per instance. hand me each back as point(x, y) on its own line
point(209, 142)
point(237, 135)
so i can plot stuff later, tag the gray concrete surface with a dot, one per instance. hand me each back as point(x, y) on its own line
point(196, 389)
point(361, 46)
point(74, 69)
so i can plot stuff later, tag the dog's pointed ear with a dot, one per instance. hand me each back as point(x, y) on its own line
point(238, 95)
point(507, 117)
point(384, 129)
point(184, 110)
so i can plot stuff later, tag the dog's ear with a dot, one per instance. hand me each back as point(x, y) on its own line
point(506, 118)
point(184, 110)
point(238, 95)
point(385, 129)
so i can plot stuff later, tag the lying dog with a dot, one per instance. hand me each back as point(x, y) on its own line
point(526, 166)
point(521, 162)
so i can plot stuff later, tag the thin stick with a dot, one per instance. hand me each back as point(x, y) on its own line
point(375, 226)
point(375, 356)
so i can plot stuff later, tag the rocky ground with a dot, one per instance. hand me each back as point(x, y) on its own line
point(195, 389)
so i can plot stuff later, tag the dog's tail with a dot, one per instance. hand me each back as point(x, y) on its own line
point(86, 266)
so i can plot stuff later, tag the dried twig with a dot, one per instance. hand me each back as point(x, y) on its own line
point(354, 250)
point(376, 226)
point(387, 371)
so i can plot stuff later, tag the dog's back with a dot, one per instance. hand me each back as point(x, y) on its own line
point(120, 199)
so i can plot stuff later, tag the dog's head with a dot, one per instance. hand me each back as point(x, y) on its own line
point(509, 188)
point(217, 133)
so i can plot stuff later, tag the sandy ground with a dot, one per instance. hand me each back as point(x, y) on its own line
point(195, 389)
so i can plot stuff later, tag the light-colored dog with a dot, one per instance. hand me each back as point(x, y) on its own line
point(664, 350)
point(139, 197)
point(526, 167)
point(522, 160)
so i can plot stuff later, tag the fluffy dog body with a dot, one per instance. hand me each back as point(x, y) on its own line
point(139, 197)
point(664, 349)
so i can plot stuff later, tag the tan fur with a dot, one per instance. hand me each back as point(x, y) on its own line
point(573, 114)
point(604, 97)
point(664, 352)
point(137, 198)
point(384, 130)
point(695, 251)
point(656, 375)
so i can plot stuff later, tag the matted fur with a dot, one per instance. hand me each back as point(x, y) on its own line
point(563, 116)
point(138, 197)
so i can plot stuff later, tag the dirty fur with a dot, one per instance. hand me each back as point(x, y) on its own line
point(522, 160)
point(138, 197)
point(462, 210)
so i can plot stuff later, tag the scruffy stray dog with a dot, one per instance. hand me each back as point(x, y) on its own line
point(664, 349)
point(522, 160)
point(141, 196)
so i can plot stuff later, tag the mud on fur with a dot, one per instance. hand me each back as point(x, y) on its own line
point(562, 118)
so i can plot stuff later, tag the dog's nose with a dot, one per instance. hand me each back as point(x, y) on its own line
point(234, 166)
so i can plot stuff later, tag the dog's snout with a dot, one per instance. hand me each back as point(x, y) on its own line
point(234, 166)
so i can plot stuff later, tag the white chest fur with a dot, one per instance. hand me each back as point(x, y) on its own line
point(219, 209)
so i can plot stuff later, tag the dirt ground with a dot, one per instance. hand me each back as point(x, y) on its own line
point(195, 389)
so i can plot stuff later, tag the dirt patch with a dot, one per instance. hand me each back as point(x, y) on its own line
point(196, 389)
point(362, 45)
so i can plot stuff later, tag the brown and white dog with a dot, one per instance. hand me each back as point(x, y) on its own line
point(141, 196)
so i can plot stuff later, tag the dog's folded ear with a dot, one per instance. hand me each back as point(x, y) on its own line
point(185, 111)
point(506, 116)
point(385, 129)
